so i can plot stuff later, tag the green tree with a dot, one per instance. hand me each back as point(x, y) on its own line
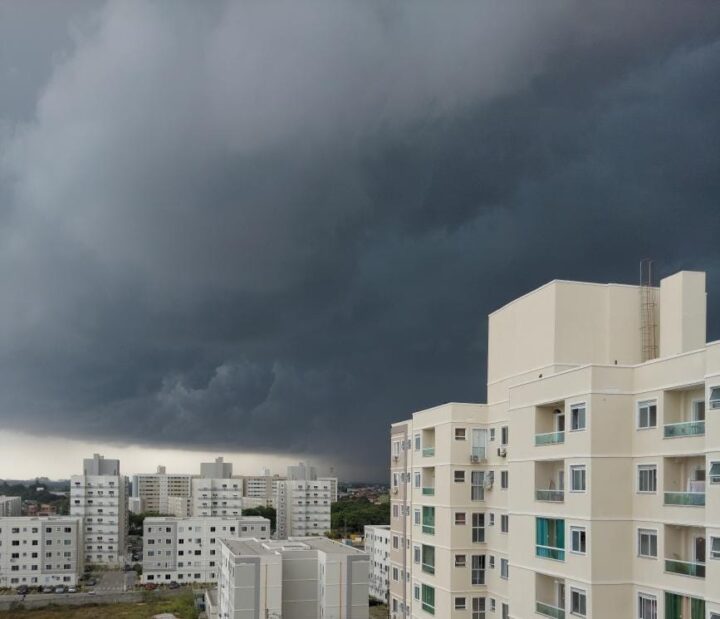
point(265, 512)
point(353, 514)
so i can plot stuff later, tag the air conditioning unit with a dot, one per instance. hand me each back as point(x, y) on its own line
point(502, 452)
point(394, 490)
point(489, 480)
point(475, 459)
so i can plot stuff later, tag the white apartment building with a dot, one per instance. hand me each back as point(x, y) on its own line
point(589, 484)
point(157, 489)
point(136, 505)
point(301, 578)
point(217, 497)
point(10, 506)
point(179, 506)
point(186, 549)
point(303, 508)
point(99, 497)
point(40, 550)
point(377, 547)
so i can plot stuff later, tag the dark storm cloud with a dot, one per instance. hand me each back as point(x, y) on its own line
point(280, 226)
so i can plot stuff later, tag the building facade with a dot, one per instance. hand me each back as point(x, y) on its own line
point(304, 578)
point(217, 497)
point(10, 506)
point(187, 550)
point(377, 547)
point(303, 508)
point(589, 485)
point(40, 551)
point(157, 489)
point(261, 489)
point(99, 497)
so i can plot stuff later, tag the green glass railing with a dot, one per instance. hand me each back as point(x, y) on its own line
point(549, 611)
point(428, 569)
point(688, 428)
point(685, 498)
point(429, 491)
point(550, 552)
point(554, 496)
point(685, 568)
point(427, 608)
point(550, 438)
point(429, 529)
point(428, 451)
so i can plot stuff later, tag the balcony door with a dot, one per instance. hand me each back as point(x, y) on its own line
point(559, 421)
point(560, 595)
point(699, 550)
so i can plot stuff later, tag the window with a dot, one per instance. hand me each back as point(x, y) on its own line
point(504, 435)
point(478, 608)
point(416, 554)
point(460, 435)
point(459, 476)
point(578, 602)
point(478, 444)
point(715, 547)
point(647, 478)
point(428, 599)
point(550, 538)
point(577, 540)
point(577, 417)
point(715, 472)
point(477, 492)
point(416, 516)
point(428, 559)
point(504, 523)
point(492, 434)
point(428, 520)
point(417, 442)
point(477, 574)
point(395, 574)
point(460, 518)
point(505, 611)
point(418, 478)
point(647, 606)
point(714, 397)
point(395, 510)
point(647, 414)
point(459, 603)
point(577, 478)
point(504, 568)
point(478, 528)
point(504, 475)
point(492, 562)
point(647, 543)
point(460, 560)
point(492, 604)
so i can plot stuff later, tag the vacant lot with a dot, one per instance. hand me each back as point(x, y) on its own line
point(181, 606)
point(379, 612)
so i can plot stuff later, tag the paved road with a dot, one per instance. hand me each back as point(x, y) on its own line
point(115, 581)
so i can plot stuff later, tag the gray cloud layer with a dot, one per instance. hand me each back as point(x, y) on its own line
point(279, 226)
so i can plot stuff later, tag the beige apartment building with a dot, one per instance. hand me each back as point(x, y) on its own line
point(588, 485)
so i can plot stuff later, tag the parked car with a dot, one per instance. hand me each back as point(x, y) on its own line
point(47, 589)
point(150, 586)
point(72, 590)
point(60, 589)
point(22, 589)
point(174, 585)
point(91, 592)
point(91, 583)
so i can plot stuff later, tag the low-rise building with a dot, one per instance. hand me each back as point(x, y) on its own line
point(186, 549)
point(40, 551)
point(377, 547)
point(301, 578)
point(10, 506)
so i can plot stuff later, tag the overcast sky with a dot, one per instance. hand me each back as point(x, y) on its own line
point(270, 229)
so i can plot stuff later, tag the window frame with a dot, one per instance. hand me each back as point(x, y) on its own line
point(577, 407)
point(641, 404)
point(647, 597)
point(580, 531)
point(714, 478)
point(459, 476)
point(578, 468)
point(714, 554)
point(712, 401)
point(460, 434)
point(581, 594)
point(650, 533)
point(646, 468)
point(504, 479)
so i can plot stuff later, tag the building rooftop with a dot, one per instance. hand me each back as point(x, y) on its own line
point(253, 546)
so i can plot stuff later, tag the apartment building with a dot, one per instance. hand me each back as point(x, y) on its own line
point(157, 489)
point(589, 484)
point(186, 549)
point(261, 489)
point(40, 551)
point(99, 497)
point(217, 497)
point(302, 578)
point(303, 503)
point(377, 547)
point(10, 506)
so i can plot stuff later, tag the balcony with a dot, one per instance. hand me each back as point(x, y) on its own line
point(428, 452)
point(685, 568)
point(684, 429)
point(695, 499)
point(549, 611)
point(550, 552)
point(549, 438)
point(551, 496)
point(428, 491)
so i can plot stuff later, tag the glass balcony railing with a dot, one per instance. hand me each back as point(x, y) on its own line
point(428, 491)
point(550, 552)
point(428, 451)
point(549, 611)
point(685, 568)
point(685, 498)
point(429, 529)
point(550, 438)
point(687, 428)
point(428, 569)
point(553, 496)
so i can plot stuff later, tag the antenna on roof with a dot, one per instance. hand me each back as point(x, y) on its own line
point(648, 311)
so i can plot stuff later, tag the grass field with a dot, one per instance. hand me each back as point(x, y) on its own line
point(181, 606)
point(379, 612)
